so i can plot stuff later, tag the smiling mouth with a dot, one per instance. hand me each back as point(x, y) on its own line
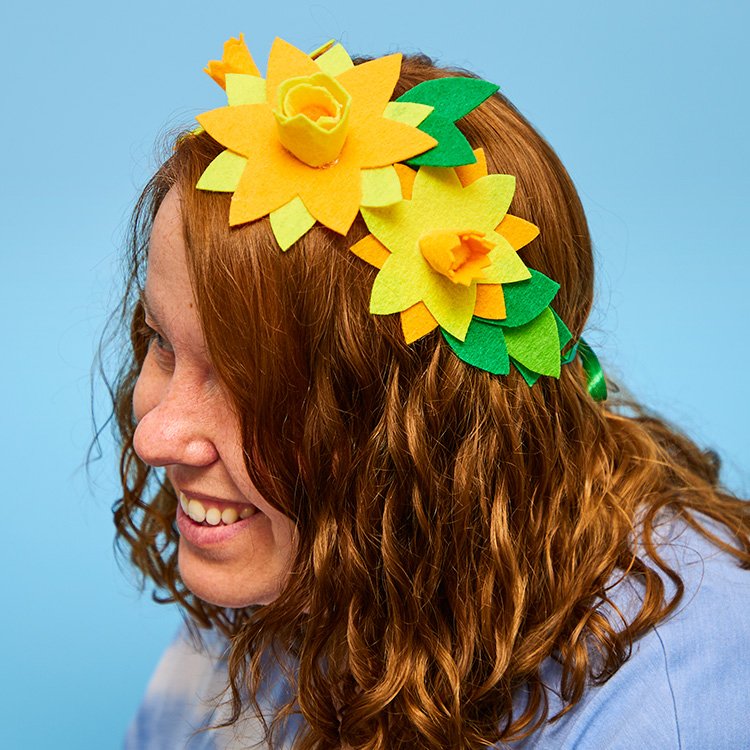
point(206, 513)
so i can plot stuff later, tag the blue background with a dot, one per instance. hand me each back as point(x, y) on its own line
point(645, 102)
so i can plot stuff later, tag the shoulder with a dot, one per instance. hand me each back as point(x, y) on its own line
point(685, 684)
point(177, 700)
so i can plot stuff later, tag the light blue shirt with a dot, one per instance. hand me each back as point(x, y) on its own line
point(686, 685)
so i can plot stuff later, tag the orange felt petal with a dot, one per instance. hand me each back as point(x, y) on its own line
point(380, 142)
point(417, 321)
point(332, 195)
point(468, 173)
point(244, 129)
point(371, 85)
point(406, 176)
point(286, 61)
point(371, 250)
point(490, 302)
point(259, 192)
point(518, 232)
point(236, 58)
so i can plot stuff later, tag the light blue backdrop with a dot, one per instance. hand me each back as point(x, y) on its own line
point(645, 102)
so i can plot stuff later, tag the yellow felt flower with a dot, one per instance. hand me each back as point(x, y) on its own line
point(446, 250)
point(313, 143)
point(236, 59)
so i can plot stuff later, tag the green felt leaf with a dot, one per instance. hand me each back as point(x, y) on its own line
point(524, 300)
point(484, 347)
point(536, 344)
point(453, 150)
point(452, 97)
point(565, 338)
point(529, 376)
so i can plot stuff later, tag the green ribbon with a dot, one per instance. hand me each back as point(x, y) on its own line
point(595, 382)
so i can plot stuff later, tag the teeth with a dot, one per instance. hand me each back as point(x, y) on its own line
point(229, 515)
point(199, 513)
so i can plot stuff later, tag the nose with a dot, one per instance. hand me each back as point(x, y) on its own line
point(174, 426)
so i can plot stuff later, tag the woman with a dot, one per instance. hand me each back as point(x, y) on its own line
point(387, 535)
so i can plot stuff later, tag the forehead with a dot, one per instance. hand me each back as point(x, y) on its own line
point(168, 292)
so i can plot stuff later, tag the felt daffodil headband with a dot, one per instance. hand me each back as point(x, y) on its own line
point(319, 140)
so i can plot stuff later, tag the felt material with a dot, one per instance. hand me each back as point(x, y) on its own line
point(223, 173)
point(565, 336)
point(410, 113)
point(483, 347)
point(316, 53)
point(525, 300)
point(460, 256)
point(439, 201)
point(236, 59)
point(417, 321)
point(406, 176)
point(518, 232)
point(380, 187)
point(370, 250)
point(529, 376)
point(312, 118)
point(274, 176)
point(452, 98)
point(468, 173)
point(536, 345)
point(490, 302)
point(245, 89)
point(290, 222)
point(334, 60)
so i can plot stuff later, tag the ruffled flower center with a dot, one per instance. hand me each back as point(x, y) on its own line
point(312, 118)
point(459, 255)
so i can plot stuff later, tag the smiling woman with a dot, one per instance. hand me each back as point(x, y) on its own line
point(370, 456)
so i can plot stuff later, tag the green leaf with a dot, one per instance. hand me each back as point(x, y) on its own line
point(484, 347)
point(529, 376)
point(536, 344)
point(453, 150)
point(452, 97)
point(525, 300)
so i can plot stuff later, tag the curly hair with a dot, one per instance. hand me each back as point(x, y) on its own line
point(455, 529)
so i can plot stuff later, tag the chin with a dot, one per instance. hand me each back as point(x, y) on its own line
point(217, 583)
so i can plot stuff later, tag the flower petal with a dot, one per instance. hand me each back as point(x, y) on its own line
point(290, 222)
point(490, 302)
point(389, 292)
point(506, 265)
point(380, 187)
point(371, 251)
point(518, 232)
point(408, 112)
point(371, 85)
point(223, 173)
point(286, 61)
point(469, 173)
point(379, 142)
point(245, 89)
point(334, 61)
point(259, 193)
point(332, 195)
point(244, 129)
point(417, 321)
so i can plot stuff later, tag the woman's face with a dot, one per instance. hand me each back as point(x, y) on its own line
point(186, 425)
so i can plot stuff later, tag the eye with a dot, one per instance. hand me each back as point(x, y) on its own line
point(158, 344)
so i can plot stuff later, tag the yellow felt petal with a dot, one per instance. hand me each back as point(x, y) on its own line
point(334, 60)
point(259, 193)
point(223, 173)
point(380, 187)
point(406, 177)
point(410, 113)
point(286, 61)
point(490, 302)
point(290, 222)
point(468, 173)
point(417, 321)
point(333, 195)
point(371, 251)
point(371, 85)
point(316, 53)
point(244, 129)
point(245, 89)
point(506, 265)
point(379, 142)
point(518, 232)
point(236, 59)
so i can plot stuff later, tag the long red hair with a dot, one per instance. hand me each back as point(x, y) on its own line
point(456, 529)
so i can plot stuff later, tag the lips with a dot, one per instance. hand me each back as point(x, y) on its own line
point(204, 534)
